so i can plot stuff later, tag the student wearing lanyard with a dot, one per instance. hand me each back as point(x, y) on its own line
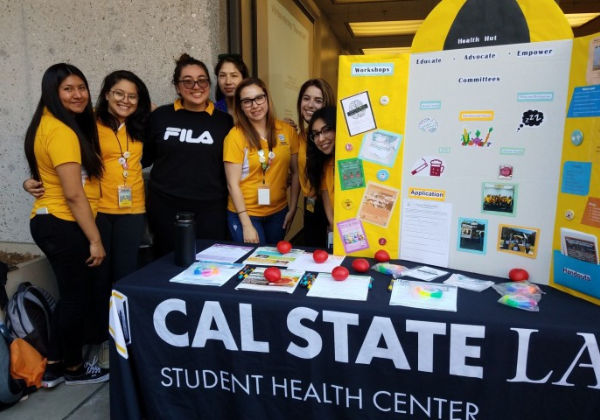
point(122, 109)
point(184, 143)
point(258, 153)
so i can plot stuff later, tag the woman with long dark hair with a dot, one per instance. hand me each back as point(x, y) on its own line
point(320, 157)
point(259, 151)
point(63, 152)
point(185, 144)
point(314, 95)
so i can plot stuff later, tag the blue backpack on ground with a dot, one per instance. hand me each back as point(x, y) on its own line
point(11, 390)
point(29, 314)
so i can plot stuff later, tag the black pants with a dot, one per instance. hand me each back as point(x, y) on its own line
point(211, 223)
point(121, 236)
point(67, 249)
point(315, 226)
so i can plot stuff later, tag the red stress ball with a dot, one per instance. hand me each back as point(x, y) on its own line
point(340, 273)
point(284, 247)
point(518, 274)
point(382, 256)
point(272, 274)
point(360, 265)
point(320, 256)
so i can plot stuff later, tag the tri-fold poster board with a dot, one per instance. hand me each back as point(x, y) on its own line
point(473, 152)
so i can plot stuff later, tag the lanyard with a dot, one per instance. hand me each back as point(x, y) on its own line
point(265, 162)
point(124, 155)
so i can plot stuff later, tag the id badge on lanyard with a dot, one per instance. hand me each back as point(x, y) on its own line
point(125, 199)
point(264, 195)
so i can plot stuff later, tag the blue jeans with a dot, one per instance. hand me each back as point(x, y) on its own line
point(270, 228)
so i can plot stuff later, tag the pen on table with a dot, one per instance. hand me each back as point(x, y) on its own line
point(244, 272)
point(371, 283)
point(306, 279)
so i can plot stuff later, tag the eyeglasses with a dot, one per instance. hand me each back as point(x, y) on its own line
point(325, 132)
point(190, 83)
point(247, 102)
point(119, 95)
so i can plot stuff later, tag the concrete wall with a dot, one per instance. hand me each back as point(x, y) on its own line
point(143, 36)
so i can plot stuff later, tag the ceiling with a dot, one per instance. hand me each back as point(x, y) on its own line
point(341, 12)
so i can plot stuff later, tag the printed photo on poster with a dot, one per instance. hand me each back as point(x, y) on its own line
point(518, 240)
point(353, 235)
point(358, 113)
point(472, 235)
point(579, 245)
point(377, 204)
point(351, 174)
point(380, 147)
point(499, 198)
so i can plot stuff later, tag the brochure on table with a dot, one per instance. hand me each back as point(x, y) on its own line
point(256, 281)
point(267, 255)
point(223, 253)
point(355, 287)
point(208, 273)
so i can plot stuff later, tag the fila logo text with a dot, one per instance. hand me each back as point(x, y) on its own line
point(187, 136)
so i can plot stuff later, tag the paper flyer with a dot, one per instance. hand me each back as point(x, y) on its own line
point(208, 273)
point(256, 281)
point(223, 253)
point(268, 255)
point(355, 287)
point(417, 294)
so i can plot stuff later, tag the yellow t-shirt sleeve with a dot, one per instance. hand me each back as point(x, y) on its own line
point(63, 146)
point(233, 147)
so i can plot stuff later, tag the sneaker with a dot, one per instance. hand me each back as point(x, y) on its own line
point(53, 375)
point(98, 351)
point(104, 356)
point(88, 373)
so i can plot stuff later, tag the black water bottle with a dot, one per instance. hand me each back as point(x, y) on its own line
point(185, 239)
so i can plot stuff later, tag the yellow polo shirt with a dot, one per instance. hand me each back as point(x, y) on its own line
point(113, 145)
point(55, 144)
point(237, 150)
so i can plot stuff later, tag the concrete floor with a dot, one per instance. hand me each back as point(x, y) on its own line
point(88, 402)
